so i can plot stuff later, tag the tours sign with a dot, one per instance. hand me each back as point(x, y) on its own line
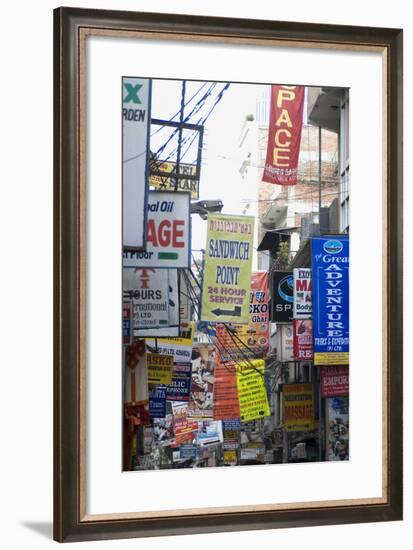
point(330, 260)
point(227, 271)
point(136, 117)
point(167, 233)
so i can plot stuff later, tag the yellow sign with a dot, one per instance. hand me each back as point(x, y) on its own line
point(159, 368)
point(298, 407)
point(227, 271)
point(253, 402)
point(328, 358)
point(166, 183)
point(230, 457)
point(187, 341)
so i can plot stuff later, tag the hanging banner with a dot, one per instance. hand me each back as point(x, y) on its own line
point(157, 402)
point(330, 260)
point(303, 304)
point(258, 326)
point(337, 428)
point(159, 368)
point(179, 388)
point(298, 407)
point(284, 135)
point(202, 383)
point(165, 183)
point(334, 381)
point(282, 296)
point(126, 323)
point(227, 271)
point(226, 405)
point(285, 342)
point(252, 395)
point(303, 340)
point(168, 236)
point(136, 120)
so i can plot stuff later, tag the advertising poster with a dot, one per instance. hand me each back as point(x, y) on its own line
point(179, 388)
point(136, 120)
point(330, 260)
point(282, 296)
point(232, 342)
point(303, 301)
point(231, 430)
point(298, 407)
point(303, 340)
point(180, 348)
point(226, 403)
point(187, 452)
point(258, 326)
point(285, 342)
point(337, 428)
point(335, 381)
point(185, 302)
point(202, 384)
point(284, 136)
point(165, 183)
point(159, 368)
point(126, 323)
point(252, 395)
point(184, 430)
point(168, 236)
point(227, 269)
point(209, 432)
point(157, 402)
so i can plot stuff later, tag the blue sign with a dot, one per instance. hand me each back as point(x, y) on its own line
point(231, 424)
point(330, 262)
point(157, 402)
point(187, 452)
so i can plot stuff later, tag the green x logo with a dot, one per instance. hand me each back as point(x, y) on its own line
point(132, 92)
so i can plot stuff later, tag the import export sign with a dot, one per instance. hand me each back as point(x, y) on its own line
point(167, 233)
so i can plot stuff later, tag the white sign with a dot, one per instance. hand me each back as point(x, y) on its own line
point(136, 116)
point(303, 308)
point(285, 342)
point(167, 233)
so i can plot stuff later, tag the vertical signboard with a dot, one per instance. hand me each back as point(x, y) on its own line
point(284, 135)
point(303, 302)
point(259, 326)
point(168, 238)
point(136, 117)
point(330, 260)
point(303, 339)
point(226, 405)
point(282, 296)
point(253, 401)
point(334, 381)
point(298, 407)
point(285, 342)
point(227, 271)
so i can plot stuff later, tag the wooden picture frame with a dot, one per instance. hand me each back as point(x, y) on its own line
point(71, 27)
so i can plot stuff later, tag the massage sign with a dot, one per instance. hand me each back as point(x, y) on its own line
point(284, 135)
point(330, 261)
point(227, 269)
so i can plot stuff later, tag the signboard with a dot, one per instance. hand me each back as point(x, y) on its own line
point(126, 323)
point(227, 269)
point(187, 452)
point(303, 339)
point(230, 457)
point(226, 403)
point(179, 348)
point(285, 342)
point(253, 402)
point(330, 259)
point(298, 407)
point(284, 135)
point(179, 388)
point(334, 381)
point(157, 402)
point(183, 429)
point(303, 305)
point(202, 383)
point(210, 433)
point(136, 120)
point(282, 296)
point(168, 239)
point(258, 326)
point(165, 183)
point(337, 428)
point(159, 368)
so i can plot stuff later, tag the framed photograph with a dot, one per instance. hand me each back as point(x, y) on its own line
point(227, 322)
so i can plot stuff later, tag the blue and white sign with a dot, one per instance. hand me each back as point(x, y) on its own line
point(330, 263)
point(157, 402)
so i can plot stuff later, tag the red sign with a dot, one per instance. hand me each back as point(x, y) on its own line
point(334, 381)
point(303, 340)
point(284, 136)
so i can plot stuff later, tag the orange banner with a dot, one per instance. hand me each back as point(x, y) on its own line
point(226, 403)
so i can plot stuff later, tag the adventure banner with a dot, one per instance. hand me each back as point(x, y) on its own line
point(136, 119)
point(227, 271)
point(330, 260)
point(284, 135)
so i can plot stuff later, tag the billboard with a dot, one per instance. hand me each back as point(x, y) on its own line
point(136, 120)
point(303, 301)
point(282, 296)
point(330, 260)
point(227, 269)
point(284, 135)
point(168, 235)
point(298, 407)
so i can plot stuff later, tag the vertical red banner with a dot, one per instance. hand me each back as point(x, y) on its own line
point(284, 135)
point(303, 340)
